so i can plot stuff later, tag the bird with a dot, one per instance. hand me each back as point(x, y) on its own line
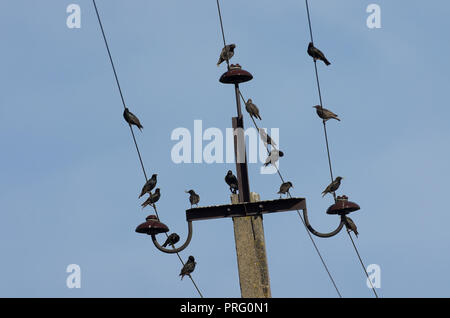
point(333, 186)
point(132, 119)
point(189, 267)
point(351, 226)
point(149, 185)
point(266, 138)
point(194, 198)
point(284, 188)
point(232, 181)
point(317, 54)
point(172, 239)
point(252, 109)
point(325, 114)
point(152, 199)
point(227, 53)
point(273, 157)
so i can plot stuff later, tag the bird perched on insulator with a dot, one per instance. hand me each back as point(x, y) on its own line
point(325, 114)
point(252, 109)
point(284, 188)
point(172, 239)
point(189, 267)
point(149, 185)
point(351, 226)
point(152, 199)
point(317, 54)
point(227, 53)
point(132, 119)
point(266, 138)
point(273, 157)
point(232, 181)
point(194, 198)
point(333, 186)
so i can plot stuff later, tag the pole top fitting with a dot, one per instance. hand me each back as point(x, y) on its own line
point(343, 206)
point(152, 226)
point(235, 75)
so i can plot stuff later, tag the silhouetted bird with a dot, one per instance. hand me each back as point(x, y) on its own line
point(149, 185)
point(227, 53)
point(152, 199)
point(266, 138)
point(325, 114)
point(194, 198)
point(351, 226)
point(284, 188)
point(172, 239)
point(333, 186)
point(273, 157)
point(132, 119)
point(232, 181)
point(189, 267)
point(252, 109)
point(316, 54)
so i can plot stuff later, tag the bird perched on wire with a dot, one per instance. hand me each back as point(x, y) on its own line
point(284, 188)
point(132, 119)
point(149, 185)
point(351, 226)
point(333, 186)
point(194, 198)
point(325, 114)
point(317, 54)
point(273, 157)
point(232, 181)
point(266, 138)
point(227, 53)
point(152, 199)
point(172, 239)
point(252, 109)
point(189, 267)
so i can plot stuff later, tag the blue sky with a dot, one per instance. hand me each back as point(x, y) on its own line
point(70, 175)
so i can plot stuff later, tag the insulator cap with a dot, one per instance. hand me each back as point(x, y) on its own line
point(152, 226)
point(235, 75)
point(343, 206)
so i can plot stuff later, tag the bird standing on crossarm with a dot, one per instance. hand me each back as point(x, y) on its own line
point(232, 181)
point(149, 185)
point(333, 186)
point(252, 109)
point(226, 53)
point(325, 114)
point(132, 119)
point(189, 267)
point(284, 188)
point(317, 54)
point(194, 198)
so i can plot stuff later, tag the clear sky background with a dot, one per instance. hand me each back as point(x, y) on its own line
point(70, 176)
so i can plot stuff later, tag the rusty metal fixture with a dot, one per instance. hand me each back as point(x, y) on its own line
point(343, 206)
point(152, 226)
point(174, 250)
point(235, 75)
point(316, 233)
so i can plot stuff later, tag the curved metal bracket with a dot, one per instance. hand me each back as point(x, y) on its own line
point(316, 233)
point(174, 250)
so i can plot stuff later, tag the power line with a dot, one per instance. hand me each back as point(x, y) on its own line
point(131, 128)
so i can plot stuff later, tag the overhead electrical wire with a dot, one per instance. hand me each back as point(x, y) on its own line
point(131, 129)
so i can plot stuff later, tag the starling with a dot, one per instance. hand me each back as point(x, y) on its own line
point(316, 54)
point(172, 239)
point(227, 53)
point(333, 186)
point(273, 157)
point(232, 181)
point(189, 267)
point(194, 198)
point(152, 199)
point(325, 114)
point(351, 226)
point(149, 185)
point(266, 138)
point(132, 119)
point(252, 109)
point(284, 188)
